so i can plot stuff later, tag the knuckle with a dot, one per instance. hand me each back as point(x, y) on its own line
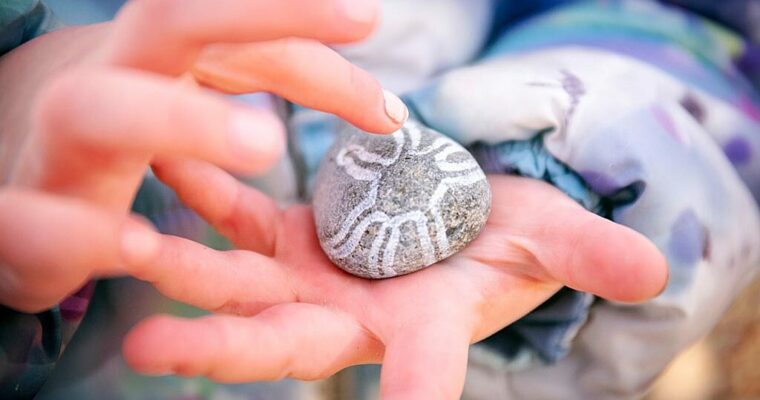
point(149, 12)
point(180, 104)
point(141, 31)
point(224, 330)
point(54, 103)
point(181, 109)
point(273, 62)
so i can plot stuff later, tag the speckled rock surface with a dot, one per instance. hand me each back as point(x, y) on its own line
point(388, 205)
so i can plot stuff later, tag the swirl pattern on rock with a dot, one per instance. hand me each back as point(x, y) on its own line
point(394, 204)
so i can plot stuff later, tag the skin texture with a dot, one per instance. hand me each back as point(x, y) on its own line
point(286, 311)
point(86, 111)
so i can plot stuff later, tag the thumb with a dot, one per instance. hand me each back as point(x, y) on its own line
point(574, 246)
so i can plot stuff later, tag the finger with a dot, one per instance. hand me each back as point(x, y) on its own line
point(81, 119)
point(238, 282)
point(246, 216)
point(166, 35)
point(574, 246)
point(301, 341)
point(305, 72)
point(50, 246)
point(425, 362)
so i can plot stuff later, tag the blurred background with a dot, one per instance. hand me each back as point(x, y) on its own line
point(725, 365)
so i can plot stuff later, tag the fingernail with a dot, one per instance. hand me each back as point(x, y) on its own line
point(255, 134)
point(363, 11)
point(139, 243)
point(395, 108)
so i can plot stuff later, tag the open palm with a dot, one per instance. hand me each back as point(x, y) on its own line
point(285, 311)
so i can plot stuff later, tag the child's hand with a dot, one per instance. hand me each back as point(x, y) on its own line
point(85, 110)
point(297, 315)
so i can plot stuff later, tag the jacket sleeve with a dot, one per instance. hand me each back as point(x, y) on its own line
point(30, 344)
point(23, 20)
point(629, 99)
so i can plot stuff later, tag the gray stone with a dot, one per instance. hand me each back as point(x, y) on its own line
point(388, 205)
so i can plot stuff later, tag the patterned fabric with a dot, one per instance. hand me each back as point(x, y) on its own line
point(646, 105)
point(640, 113)
point(23, 20)
point(739, 15)
point(30, 344)
point(626, 103)
point(473, 109)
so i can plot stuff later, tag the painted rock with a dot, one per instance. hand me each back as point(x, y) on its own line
point(388, 205)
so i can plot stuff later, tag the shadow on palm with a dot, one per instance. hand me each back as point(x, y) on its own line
point(295, 314)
